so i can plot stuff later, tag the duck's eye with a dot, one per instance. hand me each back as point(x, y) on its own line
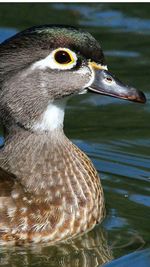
point(63, 57)
point(59, 59)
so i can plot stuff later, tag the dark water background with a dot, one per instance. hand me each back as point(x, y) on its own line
point(115, 134)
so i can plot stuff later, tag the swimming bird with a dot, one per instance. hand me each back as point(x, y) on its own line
point(49, 189)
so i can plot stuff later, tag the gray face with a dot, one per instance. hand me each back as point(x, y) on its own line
point(28, 88)
point(26, 94)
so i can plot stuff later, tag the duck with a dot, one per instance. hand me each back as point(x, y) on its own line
point(49, 189)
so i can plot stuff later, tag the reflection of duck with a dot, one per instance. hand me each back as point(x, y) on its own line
point(89, 250)
point(49, 189)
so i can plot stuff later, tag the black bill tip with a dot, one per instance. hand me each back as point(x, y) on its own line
point(106, 83)
point(137, 96)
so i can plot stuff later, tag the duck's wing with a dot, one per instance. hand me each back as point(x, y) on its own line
point(11, 195)
point(7, 188)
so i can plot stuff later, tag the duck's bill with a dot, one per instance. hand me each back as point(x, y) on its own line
point(106, 84)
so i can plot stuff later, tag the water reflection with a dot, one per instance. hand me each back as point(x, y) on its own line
point(6, 33)
point(90, 250)
point(122, 53)
point(138, 259)
point(98, 16)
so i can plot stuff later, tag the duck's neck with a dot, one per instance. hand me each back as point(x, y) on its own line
point(35, 158)
point(38, 150)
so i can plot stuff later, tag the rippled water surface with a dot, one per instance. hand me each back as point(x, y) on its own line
point(115, 134)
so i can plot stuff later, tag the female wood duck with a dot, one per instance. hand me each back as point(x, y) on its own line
point(49, 189)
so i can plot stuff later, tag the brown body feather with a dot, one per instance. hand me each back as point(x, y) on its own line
point(54, 193)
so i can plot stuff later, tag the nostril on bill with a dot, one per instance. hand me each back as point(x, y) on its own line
point(108, 79)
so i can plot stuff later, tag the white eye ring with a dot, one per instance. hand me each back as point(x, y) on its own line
point(50, 61)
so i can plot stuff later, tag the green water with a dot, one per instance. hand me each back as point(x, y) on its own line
point(114, 134)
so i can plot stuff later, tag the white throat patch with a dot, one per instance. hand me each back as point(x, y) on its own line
point(52, 118)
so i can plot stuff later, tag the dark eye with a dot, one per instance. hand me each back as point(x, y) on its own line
point(63, 57)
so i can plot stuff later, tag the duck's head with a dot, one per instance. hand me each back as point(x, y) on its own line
point(41, 66)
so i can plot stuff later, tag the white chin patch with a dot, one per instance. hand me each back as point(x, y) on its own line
point(52, 118)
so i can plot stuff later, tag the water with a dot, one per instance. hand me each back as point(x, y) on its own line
point(114, 134)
